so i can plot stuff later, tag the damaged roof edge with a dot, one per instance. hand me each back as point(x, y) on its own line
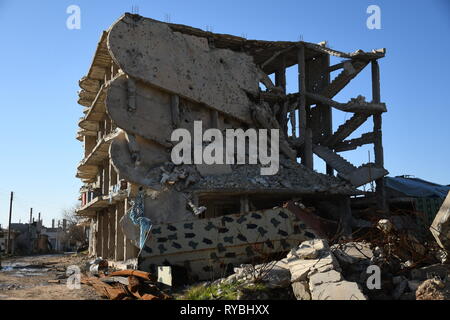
point(256, 48)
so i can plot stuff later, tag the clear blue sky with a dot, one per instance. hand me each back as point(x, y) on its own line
point(42, 61)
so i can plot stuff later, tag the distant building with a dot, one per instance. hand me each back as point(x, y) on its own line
point(57, 238)
point(4, 239)
point(31, 238)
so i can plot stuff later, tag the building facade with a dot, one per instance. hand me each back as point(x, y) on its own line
point(149, 78)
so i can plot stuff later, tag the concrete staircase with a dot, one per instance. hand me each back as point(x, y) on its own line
point(346, 129)
point(343, 79)
point(357, 176)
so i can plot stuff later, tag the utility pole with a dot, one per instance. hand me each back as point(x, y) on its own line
point(8, 244)
point(31, 221)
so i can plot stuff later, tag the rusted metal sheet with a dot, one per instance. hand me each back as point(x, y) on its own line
point(322, 227)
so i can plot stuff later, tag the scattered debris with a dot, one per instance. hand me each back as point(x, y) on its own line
point(98, 265)
point(432, 289)
point(126, 285)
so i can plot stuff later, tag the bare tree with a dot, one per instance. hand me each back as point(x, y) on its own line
point(75, 231)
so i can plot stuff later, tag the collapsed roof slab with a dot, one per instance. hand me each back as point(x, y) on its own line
point(262, 51)
point(184, 65)
point(151, 115)
point(240, 179)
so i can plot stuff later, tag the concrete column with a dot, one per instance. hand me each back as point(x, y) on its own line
point(104, 233)
point(326, 112)
point(98, 236)
point(106, 178)
point(119, 237)
point(112, 174)
point(91, 239)
point(280, 81)
point(378, 143)
point(305, 131)
point(89, 144)
point(111, 231)
point(345, 212)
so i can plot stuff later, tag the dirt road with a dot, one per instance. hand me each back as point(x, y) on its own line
point(27, 278)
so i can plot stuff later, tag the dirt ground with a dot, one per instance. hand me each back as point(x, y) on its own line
point(27, 278)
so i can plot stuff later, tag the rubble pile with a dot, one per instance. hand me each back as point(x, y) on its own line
point(433, 289)
point(351, 270)
point(123, 284)
point(310, 271)
point(316, 274)
point(290, 176)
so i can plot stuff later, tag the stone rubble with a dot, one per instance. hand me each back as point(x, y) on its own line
point(317, 271)
point(311, 270)
point(410, 266)
point(316, 268)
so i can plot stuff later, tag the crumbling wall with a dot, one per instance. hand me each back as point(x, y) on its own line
point(208, 247)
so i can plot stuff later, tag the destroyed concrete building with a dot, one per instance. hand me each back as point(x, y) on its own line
point(34, 237)
point(148, 78)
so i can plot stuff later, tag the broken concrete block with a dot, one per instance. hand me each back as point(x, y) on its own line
point(165, 275)
point(365, 174)
point(304, 253)
point(277, 277)
point(319, 278)
point(342, 290)
point(300, 267)
point(352, 252)
point(309, 249)
point(273, 274)
point(440, 228)
point(301, 290)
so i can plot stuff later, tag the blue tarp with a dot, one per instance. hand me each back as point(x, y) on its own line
point(136, 215)
point(414, 187)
